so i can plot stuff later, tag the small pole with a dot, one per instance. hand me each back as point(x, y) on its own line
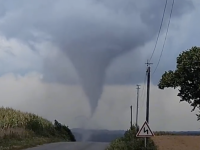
point(138, 87)
point(131, 116)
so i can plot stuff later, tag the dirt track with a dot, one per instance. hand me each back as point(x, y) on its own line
point(177, 142)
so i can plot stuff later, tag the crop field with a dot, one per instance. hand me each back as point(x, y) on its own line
point(22, 130)
point(177, 142)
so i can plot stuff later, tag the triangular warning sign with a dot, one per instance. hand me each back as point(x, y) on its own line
point(145, 131)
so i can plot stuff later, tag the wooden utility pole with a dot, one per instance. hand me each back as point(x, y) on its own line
point(148, 92)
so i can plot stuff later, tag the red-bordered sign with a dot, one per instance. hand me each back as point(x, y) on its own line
point(145, 131)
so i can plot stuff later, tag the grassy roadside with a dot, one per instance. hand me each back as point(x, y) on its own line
point(19, 130)
point(19, 144)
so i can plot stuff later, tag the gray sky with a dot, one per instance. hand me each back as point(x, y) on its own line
point(47, 37)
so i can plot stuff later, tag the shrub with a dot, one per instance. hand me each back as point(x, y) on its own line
point(130, 142)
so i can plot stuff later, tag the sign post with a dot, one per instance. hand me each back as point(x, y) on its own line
point(145, 132)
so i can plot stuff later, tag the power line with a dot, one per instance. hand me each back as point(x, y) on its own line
point(159, 30)
point(165, 37)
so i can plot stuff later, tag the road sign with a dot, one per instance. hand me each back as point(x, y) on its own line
point(145, 131)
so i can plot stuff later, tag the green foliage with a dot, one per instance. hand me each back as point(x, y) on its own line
point(186, 77)
point(11, 119)
point(130, 142)
point(64, 129)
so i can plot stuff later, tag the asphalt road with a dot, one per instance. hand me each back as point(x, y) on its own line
point(72, 146)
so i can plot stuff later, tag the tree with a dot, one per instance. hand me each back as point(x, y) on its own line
point(186, 77)
point(63, 129)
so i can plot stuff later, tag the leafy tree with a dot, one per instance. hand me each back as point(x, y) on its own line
point(186, 77)
point(64, 130)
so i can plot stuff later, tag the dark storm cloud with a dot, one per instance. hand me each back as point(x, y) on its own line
point(90, 33)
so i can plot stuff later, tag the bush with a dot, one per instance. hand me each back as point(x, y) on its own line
point(130, 142)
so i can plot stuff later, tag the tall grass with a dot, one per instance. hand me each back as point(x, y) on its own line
point(10, 118)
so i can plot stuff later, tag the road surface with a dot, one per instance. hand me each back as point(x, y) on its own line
point(72, 146)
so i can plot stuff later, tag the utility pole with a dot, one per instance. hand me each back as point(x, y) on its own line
point(148, 91)
point(138, 87)
point(131, 115)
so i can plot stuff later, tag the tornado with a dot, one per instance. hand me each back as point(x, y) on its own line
point(91, 33)
point(91, 67)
